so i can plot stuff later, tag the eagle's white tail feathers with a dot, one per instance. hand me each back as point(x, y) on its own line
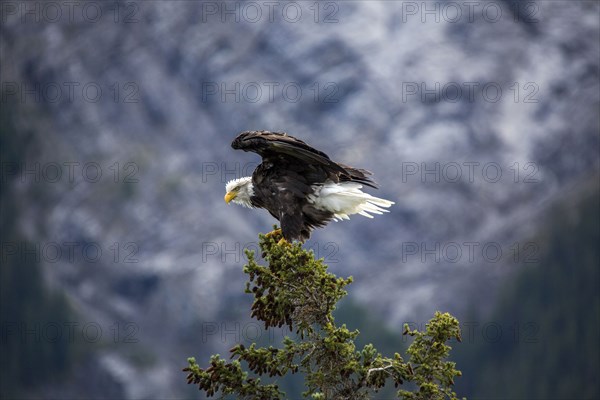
point(346, 198)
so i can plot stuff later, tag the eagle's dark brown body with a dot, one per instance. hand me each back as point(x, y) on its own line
point(289, 172)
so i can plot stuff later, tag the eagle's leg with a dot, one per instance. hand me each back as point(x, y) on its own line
point(278, 232)
point(275, 232)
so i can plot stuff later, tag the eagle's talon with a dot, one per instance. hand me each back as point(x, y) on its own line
point(275, 232)
point(283, 242)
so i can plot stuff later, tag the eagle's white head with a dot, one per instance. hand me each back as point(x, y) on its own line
point(239, 191)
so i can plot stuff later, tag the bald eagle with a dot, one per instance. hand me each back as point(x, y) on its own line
point(300, 186)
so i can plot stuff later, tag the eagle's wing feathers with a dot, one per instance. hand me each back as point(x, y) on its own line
point(273, 145)
point(277, 148)
point(291, 149)
point(359, 175)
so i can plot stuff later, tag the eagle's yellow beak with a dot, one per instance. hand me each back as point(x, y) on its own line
point(230, 196)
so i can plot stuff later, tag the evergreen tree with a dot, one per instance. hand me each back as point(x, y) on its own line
point(296, 291)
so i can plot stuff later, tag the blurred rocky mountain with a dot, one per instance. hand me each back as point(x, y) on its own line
point(471, 118)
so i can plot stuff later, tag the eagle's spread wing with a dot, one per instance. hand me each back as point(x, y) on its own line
point(283, 150)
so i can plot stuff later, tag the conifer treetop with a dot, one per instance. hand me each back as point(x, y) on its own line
point(296, 291)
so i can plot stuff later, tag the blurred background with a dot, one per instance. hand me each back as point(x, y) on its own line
point(120, 258)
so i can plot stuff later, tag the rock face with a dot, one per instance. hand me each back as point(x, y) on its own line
point(471, 117)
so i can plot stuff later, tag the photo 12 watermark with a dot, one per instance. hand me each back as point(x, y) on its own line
point(268, 92)
point(70, 12)
point(243, 332)
point(69, 172)
point(470, 172)
point(469, 92)
point(469, 252)
point(70, 92)
point(453, 12)
point(68, 331)
point(225, 171)
point(526, 332)
point(228, 252)
point(253, 12)
point(69, 252)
